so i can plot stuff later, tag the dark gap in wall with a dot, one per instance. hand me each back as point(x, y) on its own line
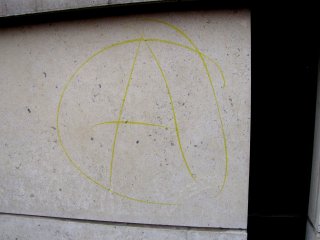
point(285, 51)
point(141, 225)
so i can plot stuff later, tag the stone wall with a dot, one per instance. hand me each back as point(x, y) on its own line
point(135, 119)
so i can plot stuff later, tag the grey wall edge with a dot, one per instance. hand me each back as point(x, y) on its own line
point(30, 227)
point(311, 233)
point(314, 198)
point(10, 8)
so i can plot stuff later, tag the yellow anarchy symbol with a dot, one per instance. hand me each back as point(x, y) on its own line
point(120, 121)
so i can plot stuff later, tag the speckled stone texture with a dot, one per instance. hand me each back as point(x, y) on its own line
point(139, 119)
point(18, 7)
point(26, 228)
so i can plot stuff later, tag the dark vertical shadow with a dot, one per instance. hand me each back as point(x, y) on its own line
point(284, 74)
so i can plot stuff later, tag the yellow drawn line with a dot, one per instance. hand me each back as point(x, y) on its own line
point(64, 149)
point(173, 111)
point(72, 77)
point(178, 30)
point(100, 184)
point(121, 111)
point(133, 123)
point(192, 50)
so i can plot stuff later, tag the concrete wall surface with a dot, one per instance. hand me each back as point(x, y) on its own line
point(311, 233)
point(26, 228)
point(137, 119)
point(21, 7)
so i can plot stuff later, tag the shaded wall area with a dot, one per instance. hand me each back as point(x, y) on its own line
point(285, 50)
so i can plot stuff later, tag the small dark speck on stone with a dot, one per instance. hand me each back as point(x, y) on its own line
point(56, 86)
point(91, 138)
point(99, 85)
point(18, 167)
point(53, 128)
point(230, 99)
point(29, 110)
point(31, 195)
point(137, 141)
point(195, 145)
point(60, 189)
point(45, 74)
point(172, 144)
